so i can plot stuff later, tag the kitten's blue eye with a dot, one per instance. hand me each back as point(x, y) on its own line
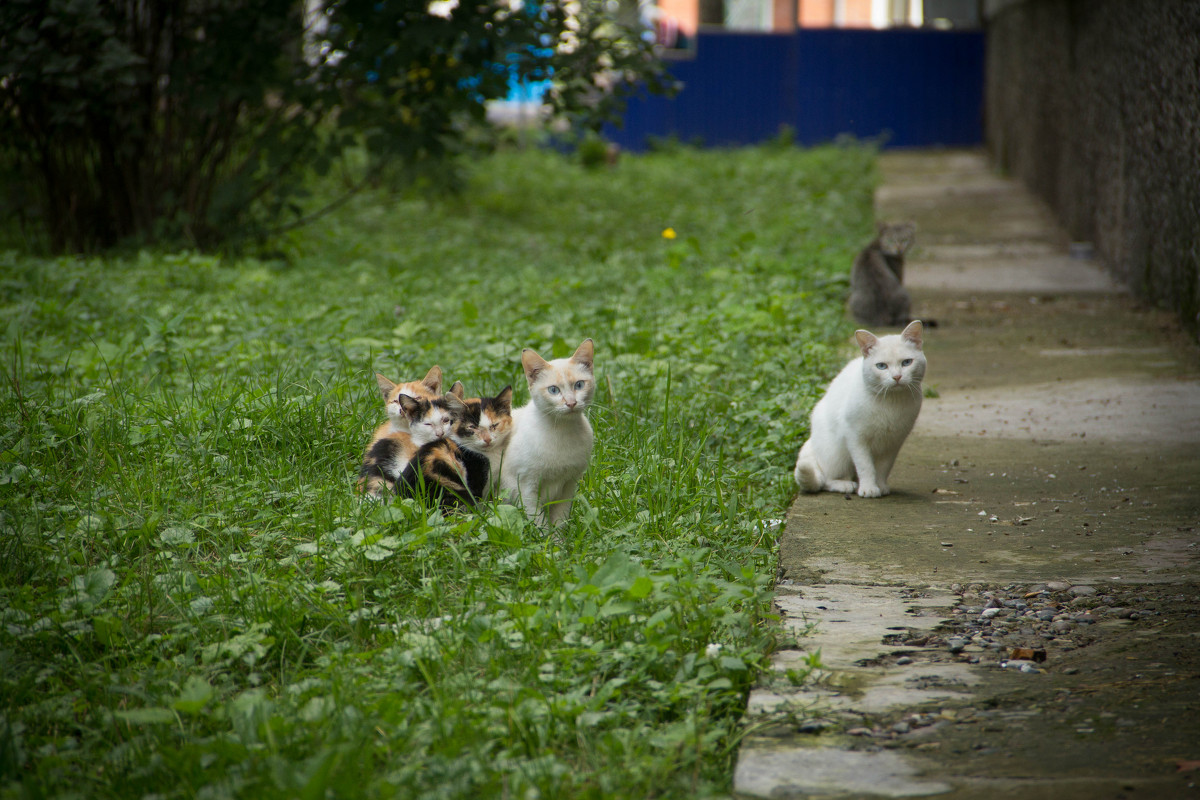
point(552, 390)
point(578, 386)
point(906, 362)
point(881, 365)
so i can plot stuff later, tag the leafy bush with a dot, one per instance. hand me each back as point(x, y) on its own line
point(195, 604)
point(201, 120)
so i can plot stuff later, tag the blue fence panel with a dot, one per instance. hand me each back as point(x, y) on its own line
point(913, 87)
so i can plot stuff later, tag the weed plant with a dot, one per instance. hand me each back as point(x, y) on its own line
point(195, 604)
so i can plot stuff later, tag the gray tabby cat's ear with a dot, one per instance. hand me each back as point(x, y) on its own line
point(866, 341)
point(385, 386)
point(533, 364)
point(585, 353)
point(433, 379)
point(913, 332)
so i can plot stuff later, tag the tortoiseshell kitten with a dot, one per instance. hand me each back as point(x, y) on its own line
point(388, 454)
point(493, 428)
point(458, 469)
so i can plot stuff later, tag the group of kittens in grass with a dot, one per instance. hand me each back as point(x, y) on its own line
point(461, 451)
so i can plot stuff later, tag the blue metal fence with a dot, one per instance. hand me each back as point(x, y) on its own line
point(911, 87)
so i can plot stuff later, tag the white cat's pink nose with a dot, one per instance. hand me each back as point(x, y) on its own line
point(570, 402)
point(897, 378)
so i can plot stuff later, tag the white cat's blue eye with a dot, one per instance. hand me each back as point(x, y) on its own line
point(578, 386)
point(906, 362)
point(881, 365)
point(552, 390)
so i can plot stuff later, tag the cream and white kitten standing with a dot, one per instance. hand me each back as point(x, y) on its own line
point(551, 439)
point(865, 416)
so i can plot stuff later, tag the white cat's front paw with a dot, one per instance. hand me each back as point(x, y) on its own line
point(842, 487)
point(870, 491)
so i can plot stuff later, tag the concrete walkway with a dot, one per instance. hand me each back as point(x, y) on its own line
point(1021, 618)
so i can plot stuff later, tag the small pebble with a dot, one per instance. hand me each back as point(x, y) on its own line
point(1083, 591)
point(903, 661)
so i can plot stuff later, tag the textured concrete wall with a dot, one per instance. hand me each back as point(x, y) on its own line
point(1095, 104)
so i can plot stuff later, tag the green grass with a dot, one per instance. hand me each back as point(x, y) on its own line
point(194, 603)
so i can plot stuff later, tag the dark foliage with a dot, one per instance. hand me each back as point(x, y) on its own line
point(198, 120)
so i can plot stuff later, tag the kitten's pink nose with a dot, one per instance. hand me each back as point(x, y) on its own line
point(570, 402)
point(485, 437)
point(897, 377)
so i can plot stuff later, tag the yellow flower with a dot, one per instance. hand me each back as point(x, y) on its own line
point(669, 233)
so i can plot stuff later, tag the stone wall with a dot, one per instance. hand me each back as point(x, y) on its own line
point(1095, 105)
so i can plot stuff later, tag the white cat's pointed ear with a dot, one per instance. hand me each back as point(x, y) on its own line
point(458, 390)
point(913, 333)
point(585, 353)
point(385, 386)
point(433, 379)
point(533, 364)
point(866, 341)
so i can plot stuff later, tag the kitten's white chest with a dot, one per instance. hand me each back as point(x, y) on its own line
point(551, 448)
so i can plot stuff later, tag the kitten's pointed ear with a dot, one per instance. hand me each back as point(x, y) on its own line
point(385, 386)
point(504, 399)
point(454, 401)
point(913, 333)
point(533, 364)
point(458, 391)
point(433, 379)
point(866, 341)
point(410, 405)
point(584, 353)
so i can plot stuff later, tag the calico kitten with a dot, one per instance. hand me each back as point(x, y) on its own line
point(457, 470)
point(388, 454)
point(551, 440)
point(494, 425)
point(877, 296)
point(429, 387)
point(866, 414)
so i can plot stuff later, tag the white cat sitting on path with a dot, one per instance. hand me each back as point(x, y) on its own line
point(551, 439)
point(865, 416)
